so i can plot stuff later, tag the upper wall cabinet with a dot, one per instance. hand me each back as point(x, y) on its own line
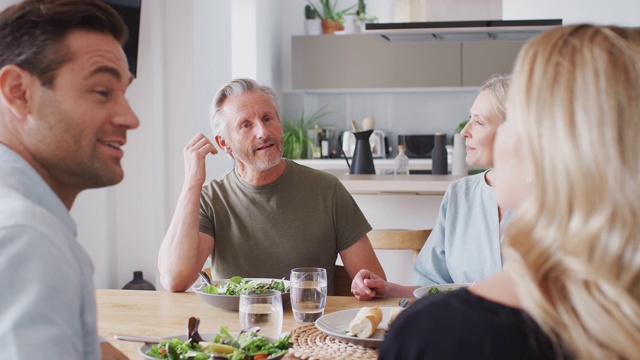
point(481, 59)
point(364, 61)
point(367, 61)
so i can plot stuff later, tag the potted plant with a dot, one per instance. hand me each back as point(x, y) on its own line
point(332, 19)
point(296, 140)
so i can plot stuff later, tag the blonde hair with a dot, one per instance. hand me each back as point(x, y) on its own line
point(574, 246)
point(497, 85)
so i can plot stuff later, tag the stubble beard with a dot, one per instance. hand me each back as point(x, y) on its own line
point(270, 161)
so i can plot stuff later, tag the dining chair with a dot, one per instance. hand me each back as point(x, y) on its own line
point(396, 239)
point(341, 282)
point(207, 269)
point(399, 239)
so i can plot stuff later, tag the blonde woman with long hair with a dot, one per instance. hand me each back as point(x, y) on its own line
point(567, 163)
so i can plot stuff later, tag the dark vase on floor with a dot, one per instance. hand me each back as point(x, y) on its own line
point(138, 283)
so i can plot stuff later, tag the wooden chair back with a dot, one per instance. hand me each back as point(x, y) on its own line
point(383, 240)
point(399, 239)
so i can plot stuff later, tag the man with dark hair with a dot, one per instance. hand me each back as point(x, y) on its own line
point(63, 121)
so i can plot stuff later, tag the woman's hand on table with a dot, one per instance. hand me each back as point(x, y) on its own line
point(366, 285)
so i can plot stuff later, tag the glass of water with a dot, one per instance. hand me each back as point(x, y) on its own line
point(308, 288)
point(262, 308)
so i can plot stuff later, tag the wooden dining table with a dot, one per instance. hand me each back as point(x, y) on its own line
point(162, 314)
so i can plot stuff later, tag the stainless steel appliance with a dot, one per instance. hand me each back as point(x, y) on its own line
point(378, 142)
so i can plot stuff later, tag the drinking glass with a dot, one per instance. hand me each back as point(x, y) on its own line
point(262, 308)
point(308, 287)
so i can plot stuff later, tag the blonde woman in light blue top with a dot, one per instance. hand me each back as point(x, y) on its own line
point(464, 245)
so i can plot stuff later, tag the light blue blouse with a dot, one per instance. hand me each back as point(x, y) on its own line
point(464, 245)
point(47, 296)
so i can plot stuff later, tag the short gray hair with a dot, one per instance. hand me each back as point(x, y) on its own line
point(236, 87)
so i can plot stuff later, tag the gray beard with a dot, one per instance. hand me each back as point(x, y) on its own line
point(266, 165)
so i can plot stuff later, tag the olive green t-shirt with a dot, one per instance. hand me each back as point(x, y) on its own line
point(304, 218)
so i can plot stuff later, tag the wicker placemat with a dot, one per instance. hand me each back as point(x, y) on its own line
point(311, 343)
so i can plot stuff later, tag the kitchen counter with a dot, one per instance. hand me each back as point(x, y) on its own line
point(395, 184)
point(382, 165)
point(385, 182)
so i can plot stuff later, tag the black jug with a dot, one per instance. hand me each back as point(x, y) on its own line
point(362, 162)
point(138, 283)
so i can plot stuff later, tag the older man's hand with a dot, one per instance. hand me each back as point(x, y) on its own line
point(195, 153)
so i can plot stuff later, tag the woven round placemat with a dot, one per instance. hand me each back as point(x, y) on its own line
point(312, 344)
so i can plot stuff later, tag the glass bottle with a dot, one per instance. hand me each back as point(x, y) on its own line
point(324, 145)
point(138, 283)
point(402, 162)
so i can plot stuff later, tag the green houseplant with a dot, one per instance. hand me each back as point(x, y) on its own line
point(331, 18)
point(296, 140)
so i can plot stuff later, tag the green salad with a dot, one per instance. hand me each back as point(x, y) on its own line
point(246, 345)
point(435, 290)
point(236, 285)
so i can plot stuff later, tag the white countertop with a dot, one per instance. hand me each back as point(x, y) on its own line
point(384, 182)
point(396, 184)
point(382, 165)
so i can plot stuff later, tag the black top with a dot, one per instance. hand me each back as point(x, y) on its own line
point(461, 325)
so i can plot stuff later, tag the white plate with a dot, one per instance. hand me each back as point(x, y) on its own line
point(232, 302)
point(424, 291)
point(337, 324)
point(207, 337)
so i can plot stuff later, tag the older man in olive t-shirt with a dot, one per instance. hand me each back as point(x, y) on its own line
point(304, 218)
point(266, 216)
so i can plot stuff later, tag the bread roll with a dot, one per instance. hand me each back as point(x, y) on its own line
point(394, 314)
point(366, 322)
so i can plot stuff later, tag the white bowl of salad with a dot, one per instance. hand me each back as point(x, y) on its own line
point(436, 289)
point(225, 293)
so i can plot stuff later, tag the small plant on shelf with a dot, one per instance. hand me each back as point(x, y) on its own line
point(331, 18)
point(362, 13)
point(296, 140)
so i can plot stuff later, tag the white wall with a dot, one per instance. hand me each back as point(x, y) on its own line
point(183, 60)
point(184, 57)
